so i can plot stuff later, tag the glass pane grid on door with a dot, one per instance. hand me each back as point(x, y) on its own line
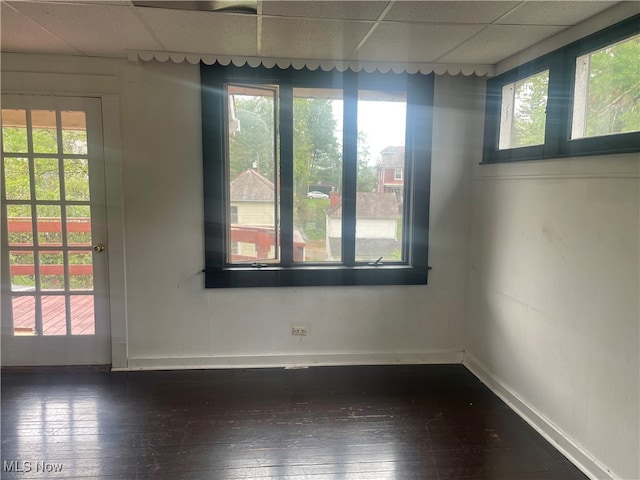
point(46, 193)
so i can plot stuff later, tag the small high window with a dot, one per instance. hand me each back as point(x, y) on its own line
point(523, 114)
point(607, 90)
point(582, 99)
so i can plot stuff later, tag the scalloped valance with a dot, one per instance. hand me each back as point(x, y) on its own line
point(325, 65)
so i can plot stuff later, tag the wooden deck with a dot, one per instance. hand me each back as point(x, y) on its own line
point(54, 318)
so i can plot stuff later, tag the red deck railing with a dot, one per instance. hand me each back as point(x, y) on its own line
point(263, 238)
point(48, 225)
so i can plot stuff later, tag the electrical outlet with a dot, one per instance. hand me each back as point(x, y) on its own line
point(299, 331)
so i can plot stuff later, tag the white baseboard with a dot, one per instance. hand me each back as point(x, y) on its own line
point(293, 361)
point(560, 440)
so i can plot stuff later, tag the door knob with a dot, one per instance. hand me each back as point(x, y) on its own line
point(98, 247)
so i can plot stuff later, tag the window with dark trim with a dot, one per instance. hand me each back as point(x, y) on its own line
point(582, 99)
point(286, 162)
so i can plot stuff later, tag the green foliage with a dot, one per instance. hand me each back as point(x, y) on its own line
point(16, 177)
point(367, 174)
point(530, 110)
point(254, 143)
point(47, 175)
point(614, 89)
point(14, 139)
point(316, 150)
point(311, 217)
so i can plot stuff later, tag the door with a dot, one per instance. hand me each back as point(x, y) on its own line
point(54, 244)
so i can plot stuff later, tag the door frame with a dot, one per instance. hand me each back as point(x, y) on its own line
point(68, 349)
point(94, 78)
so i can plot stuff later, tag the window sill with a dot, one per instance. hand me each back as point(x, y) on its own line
point(303, 276)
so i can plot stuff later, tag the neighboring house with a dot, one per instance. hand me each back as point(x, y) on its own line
point(252, 199)
point(391, 171)
point(376, 227)
point(253, 217)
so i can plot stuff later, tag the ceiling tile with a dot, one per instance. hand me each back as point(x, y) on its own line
point(19, 34)
point(349, 10)
point(97, 30)
point(448, 12)
point(203, 32)
point(312, 39)
point(497, 42)
point(396, 42)
point(554, 13)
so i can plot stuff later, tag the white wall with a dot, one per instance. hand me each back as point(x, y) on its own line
point(173, 320)
point(553, 312)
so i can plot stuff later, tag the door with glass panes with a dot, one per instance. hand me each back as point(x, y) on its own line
point(54, 243)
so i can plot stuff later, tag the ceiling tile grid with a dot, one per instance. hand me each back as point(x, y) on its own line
point(95, 30)
point(21, 34)
point(413, 42)
point(203, 32)
point(311, 38)
point(564, 13)
point(354, 10)
point(489, 45)
point(456, 32)
point(449, 12)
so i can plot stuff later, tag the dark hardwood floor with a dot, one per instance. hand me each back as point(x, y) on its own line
point(393, 422)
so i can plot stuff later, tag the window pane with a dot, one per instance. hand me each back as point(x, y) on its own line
point(78, 225)
point(81, 270)
point(317, 157)
point(44, 135)
point(253, 174)
point(16, 178)
point(54, 315)
point(76, 179)
point(74, 132)
point(51, 270)
point(22, 271)
point(47, 179)
point(380, 184)
point(607, 91)
point(82, 315)
point(24, 315)
point(49, 225)
point(20, 231)
point(14, 131)
point(524, 106)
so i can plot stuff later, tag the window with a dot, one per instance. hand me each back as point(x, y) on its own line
point(523, 113)
point(293, 192)
point(233, 218)
point(607, 90)
point(583, 99)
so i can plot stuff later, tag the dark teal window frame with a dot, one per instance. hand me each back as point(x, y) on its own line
point(413, 271)
point(561, 64)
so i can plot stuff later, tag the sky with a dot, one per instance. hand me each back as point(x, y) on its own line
point(390, 131)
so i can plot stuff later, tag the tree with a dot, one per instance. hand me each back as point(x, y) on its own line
point(530, 113)
point(254, 144)
point(317, 154)
point(48, 180)
point(614, 89)
point(367, 174)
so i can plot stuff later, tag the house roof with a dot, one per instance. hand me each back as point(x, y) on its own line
point(250, 186)
point(392, 157)
point(371, 205)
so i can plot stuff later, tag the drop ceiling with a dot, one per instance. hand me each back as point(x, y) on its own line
point(454, 32)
